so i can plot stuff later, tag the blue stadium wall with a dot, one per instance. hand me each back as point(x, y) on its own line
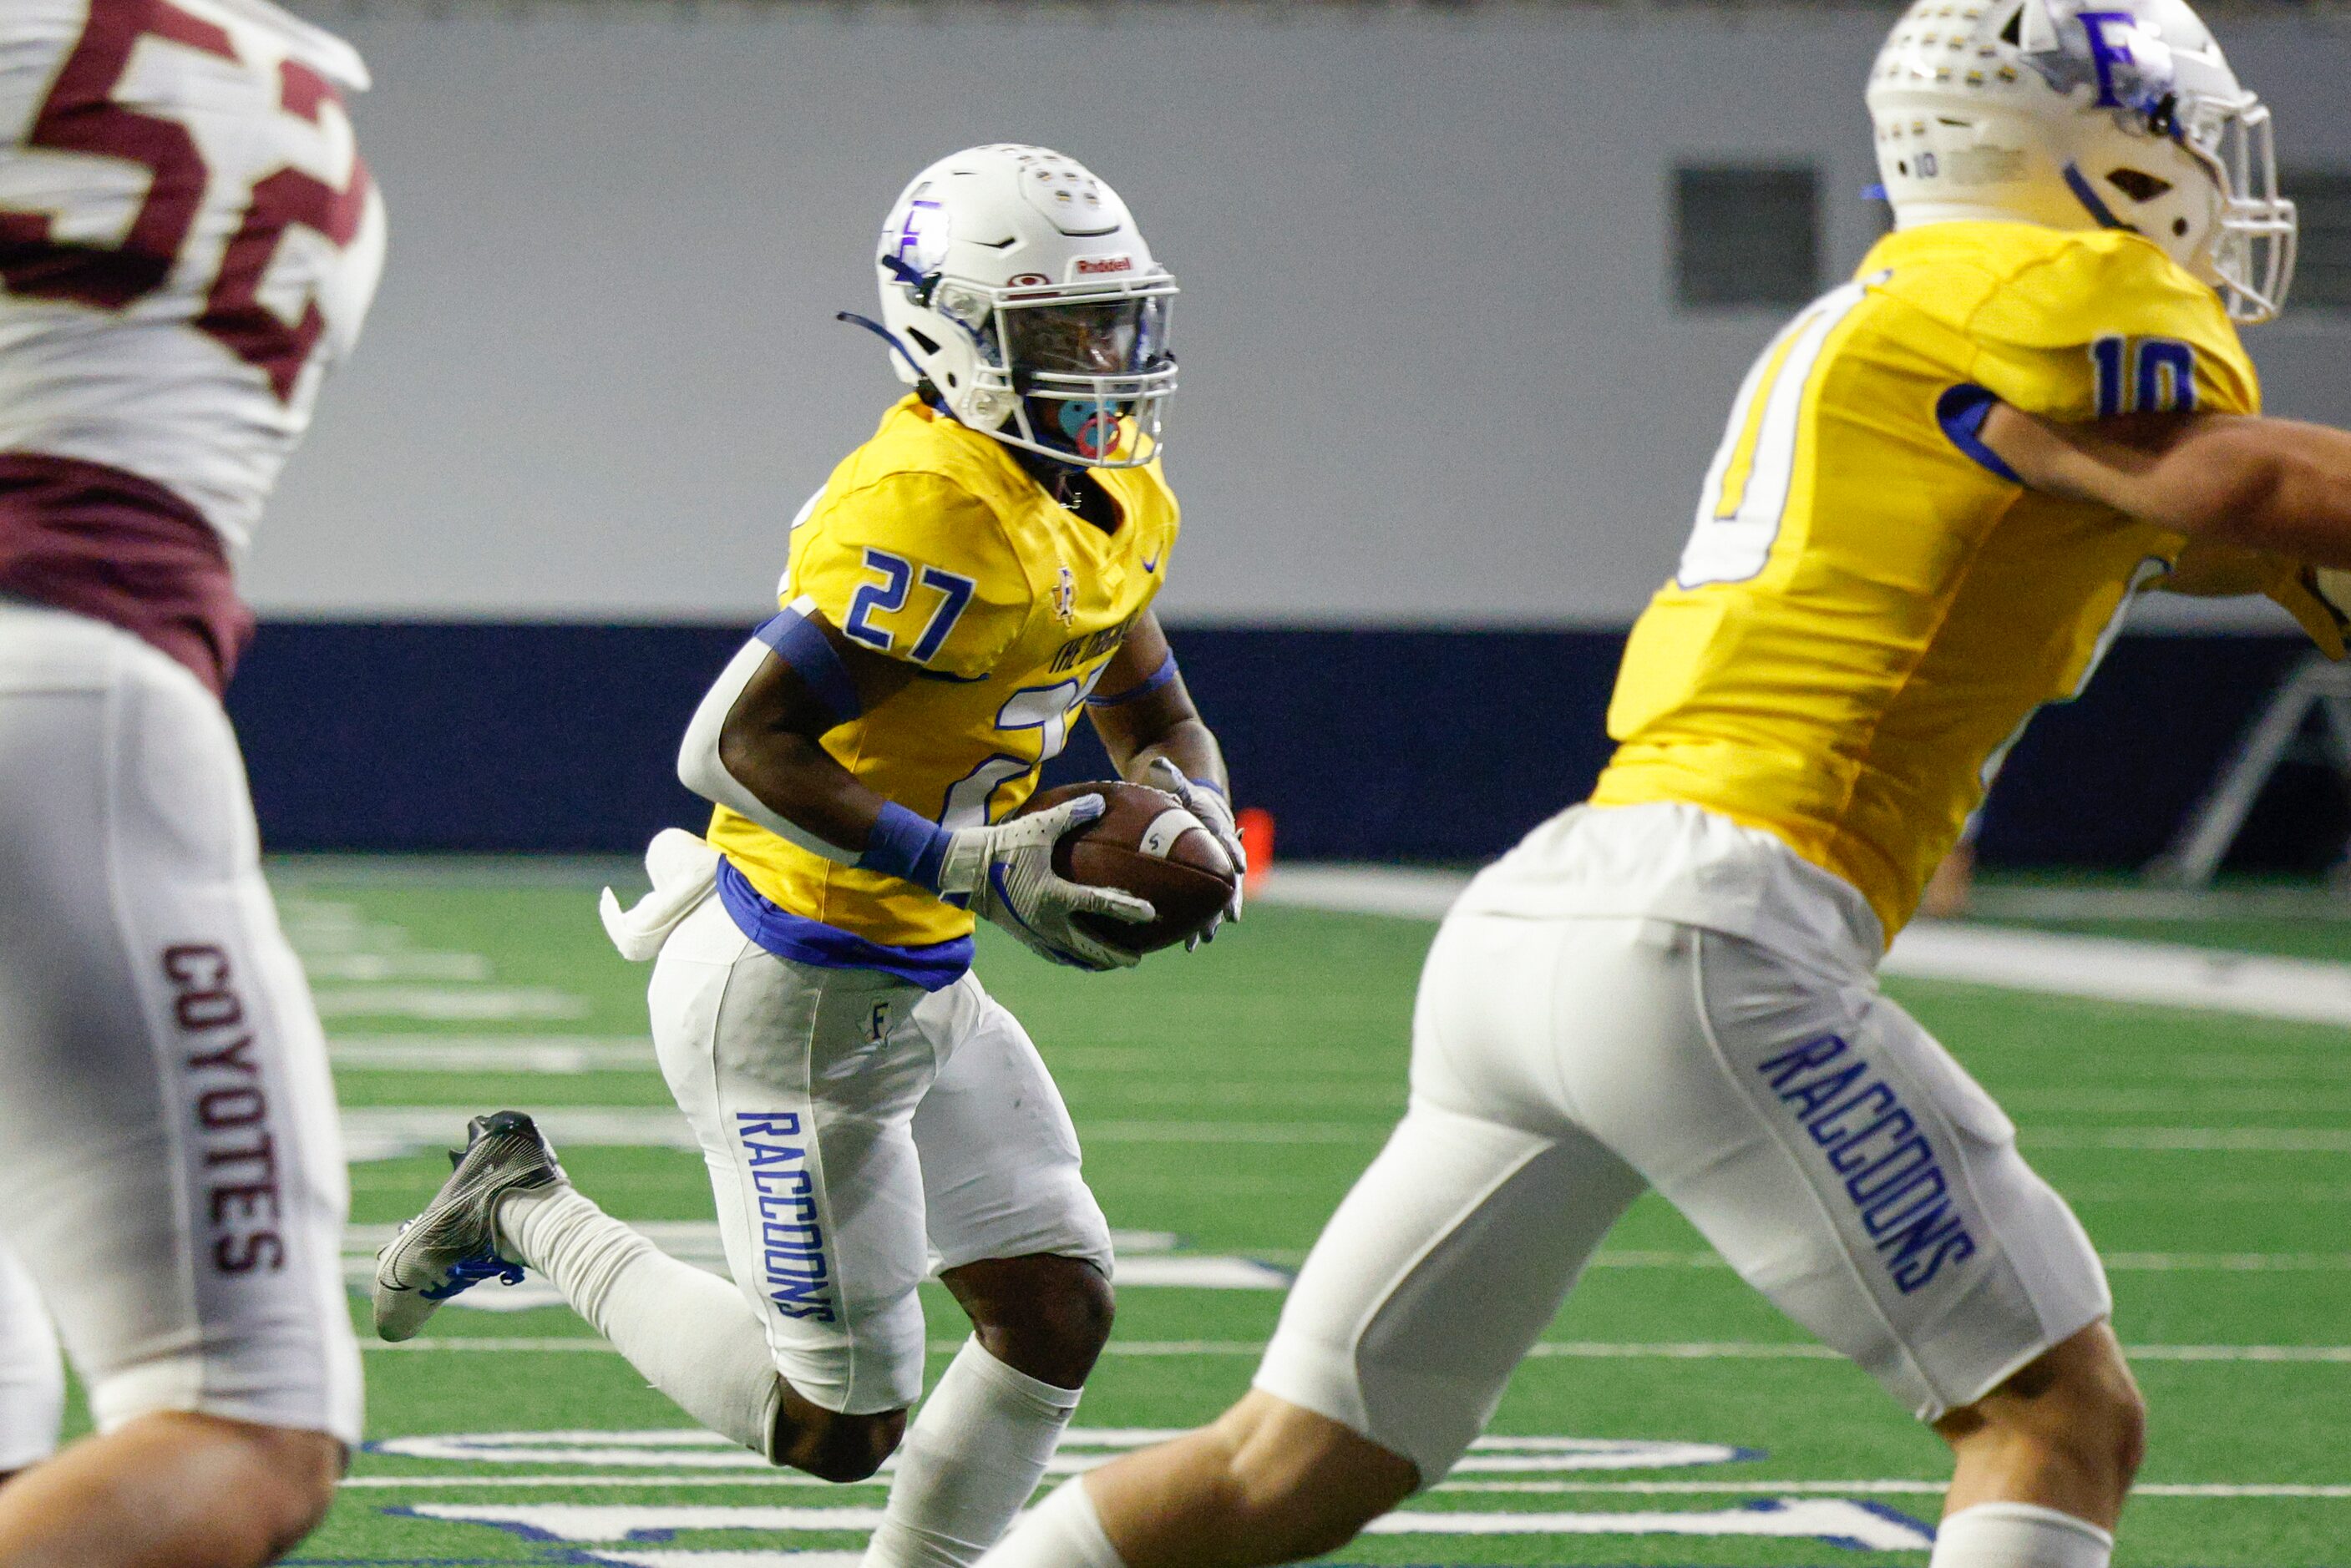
point(1364, 745)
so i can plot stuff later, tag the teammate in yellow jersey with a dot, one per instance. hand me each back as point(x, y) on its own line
point(1938, 487)
point(966, 583)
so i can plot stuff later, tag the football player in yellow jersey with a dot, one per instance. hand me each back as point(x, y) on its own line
point(1939, 485)
point(966, 583)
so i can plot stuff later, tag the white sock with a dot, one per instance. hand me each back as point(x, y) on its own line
point(2019, 1535)
point(691, 1334)
point(977, 1450)
point(1062, 1532)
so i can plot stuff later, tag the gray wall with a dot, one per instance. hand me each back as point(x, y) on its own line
point(1432, 372)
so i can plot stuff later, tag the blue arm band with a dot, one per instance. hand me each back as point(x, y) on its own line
point(905, 844)
point(799, 643)
point(1151, 682)
point(1961, 412)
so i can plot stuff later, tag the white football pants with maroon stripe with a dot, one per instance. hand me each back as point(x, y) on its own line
point(168, 1140)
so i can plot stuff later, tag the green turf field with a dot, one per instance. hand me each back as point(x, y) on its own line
point(1226, 1099)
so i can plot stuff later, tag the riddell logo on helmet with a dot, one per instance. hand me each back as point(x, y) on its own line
point(1095, 266)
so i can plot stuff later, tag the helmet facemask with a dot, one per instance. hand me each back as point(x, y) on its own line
point(2251, 254)
point(1077, 372)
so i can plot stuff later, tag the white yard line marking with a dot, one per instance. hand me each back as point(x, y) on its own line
point(301, 875)
point(392, 1132)
point(1348, 889)
point(2116, 1263)
point(1145, 1260)
point(364, 968)
point(393, 966)
point(2195, 1140)
point(1546, 1350)
point(576, 1344)
point(697, 1240)
point(454, 1004)
point(694, 1557)
point(1843, 1522)
point(1091, 1131)
point(2192, 1490)
point(1755, 1350)
point(2160, 974)
point(547, 1054)
point(1199, 1273)
point(2286, 1355)
point(2268, 1194)
point(2306, 903)
point(695, 1450)
point(2200, 1491)
point(2228, 1262)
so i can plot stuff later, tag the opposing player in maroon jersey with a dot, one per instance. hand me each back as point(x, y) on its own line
point(188, 240)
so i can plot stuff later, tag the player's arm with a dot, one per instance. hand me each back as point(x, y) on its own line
point(2265, 504)
point(1155, 736)
point(2277, 486)
point(1145, 715)
point(756, 745)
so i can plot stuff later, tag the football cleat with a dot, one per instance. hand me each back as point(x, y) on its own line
point(451, 1247)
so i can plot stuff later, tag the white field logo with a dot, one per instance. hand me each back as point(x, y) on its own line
point(1083, 1448)
point(645, 1535)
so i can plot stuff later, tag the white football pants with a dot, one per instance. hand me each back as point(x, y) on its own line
point(32, 1377)
point(860, 1134)
point(1830, 1150)
point(175, 1178)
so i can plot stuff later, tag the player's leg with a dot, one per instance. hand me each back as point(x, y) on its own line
point(1838, 1156)
point(170, 1489)
point(32, 1373)
point(176, 1180)
point(801, 1083)
point(507, 1204)
point(1020, 1242)
point(1378, 1377)
point(2043, 1460)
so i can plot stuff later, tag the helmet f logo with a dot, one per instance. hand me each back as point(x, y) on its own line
point(2109, 49)
point(922, 219)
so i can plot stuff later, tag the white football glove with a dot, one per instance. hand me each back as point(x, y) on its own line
point(1216, 814)
point(1008, 870)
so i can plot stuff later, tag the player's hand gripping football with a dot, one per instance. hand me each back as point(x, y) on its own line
point(1008, 870)
point(1216, 814)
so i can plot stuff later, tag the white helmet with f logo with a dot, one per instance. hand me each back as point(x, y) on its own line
point(1017, 285)
point(2117, 114)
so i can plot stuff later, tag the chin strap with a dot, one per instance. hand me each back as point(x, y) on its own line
point(881, 332)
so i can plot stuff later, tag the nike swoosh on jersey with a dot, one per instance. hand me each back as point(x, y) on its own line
point(1151, 563)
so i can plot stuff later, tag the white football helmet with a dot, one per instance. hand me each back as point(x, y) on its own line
point(1017, 285)
point(2117, 114)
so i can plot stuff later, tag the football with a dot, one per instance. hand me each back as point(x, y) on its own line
point(1146, 844)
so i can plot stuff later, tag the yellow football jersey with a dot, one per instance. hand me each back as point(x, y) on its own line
point(1867, 610)
point(930, 544)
